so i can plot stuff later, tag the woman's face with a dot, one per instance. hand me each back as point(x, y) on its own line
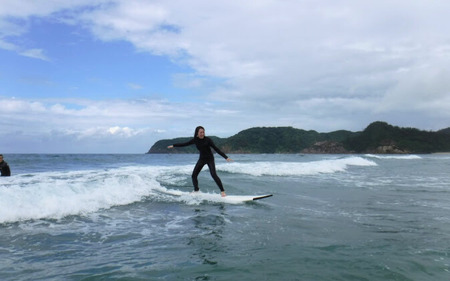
point(201, 134)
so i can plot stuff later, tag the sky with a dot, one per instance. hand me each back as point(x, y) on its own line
point(115, 76)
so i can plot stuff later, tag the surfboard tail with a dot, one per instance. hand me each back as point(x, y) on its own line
point(262, 197)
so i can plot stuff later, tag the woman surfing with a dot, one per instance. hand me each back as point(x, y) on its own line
point(204, 145)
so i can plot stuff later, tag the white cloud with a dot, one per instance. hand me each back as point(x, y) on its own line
point(321, 65)
point(124, 131)
point(135, 86)
point(7, 46)
point(422, 89)
point(25, 8)
point(258, 50)
point(77, 124)
point(14, 15)
point(287, 48)
point(35, 53)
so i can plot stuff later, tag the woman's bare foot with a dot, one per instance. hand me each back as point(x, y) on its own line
point(223, 194)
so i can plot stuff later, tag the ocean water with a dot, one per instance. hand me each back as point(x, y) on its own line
point(332, 217)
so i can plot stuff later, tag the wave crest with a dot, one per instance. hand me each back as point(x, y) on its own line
point(295, 168)
point(404, 157)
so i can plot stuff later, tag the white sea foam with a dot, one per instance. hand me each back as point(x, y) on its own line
point(54, 195)
point(295, 168)
point(404, 157)
point(58, 194)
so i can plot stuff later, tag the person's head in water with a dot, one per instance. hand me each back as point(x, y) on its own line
point(199, 132)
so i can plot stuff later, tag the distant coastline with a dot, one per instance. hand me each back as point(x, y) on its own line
point(378, 138)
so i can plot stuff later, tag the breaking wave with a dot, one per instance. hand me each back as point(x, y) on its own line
point(295, 168)
point(54, 195)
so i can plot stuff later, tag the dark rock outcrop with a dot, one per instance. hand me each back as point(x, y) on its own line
point(326, 147)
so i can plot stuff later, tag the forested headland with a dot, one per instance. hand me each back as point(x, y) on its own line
point(378, 137)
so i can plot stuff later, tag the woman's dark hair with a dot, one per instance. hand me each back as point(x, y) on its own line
point(198, 129)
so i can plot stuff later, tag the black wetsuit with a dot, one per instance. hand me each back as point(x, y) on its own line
point(6, 172)
point(206, 158)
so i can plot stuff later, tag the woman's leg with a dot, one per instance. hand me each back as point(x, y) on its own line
point(212, 170)
point(198, 167)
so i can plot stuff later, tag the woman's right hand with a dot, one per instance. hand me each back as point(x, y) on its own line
point(170, 146)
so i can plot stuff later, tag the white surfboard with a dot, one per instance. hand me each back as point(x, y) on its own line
point(215, 197)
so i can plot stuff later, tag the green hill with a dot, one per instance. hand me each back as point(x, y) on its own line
point(378, 137)
point(444, 131)
point(279, 140)
point(408, 140)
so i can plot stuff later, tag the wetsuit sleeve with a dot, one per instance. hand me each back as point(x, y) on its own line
point(211, 143)
point(190, 142)
point(8, 171)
